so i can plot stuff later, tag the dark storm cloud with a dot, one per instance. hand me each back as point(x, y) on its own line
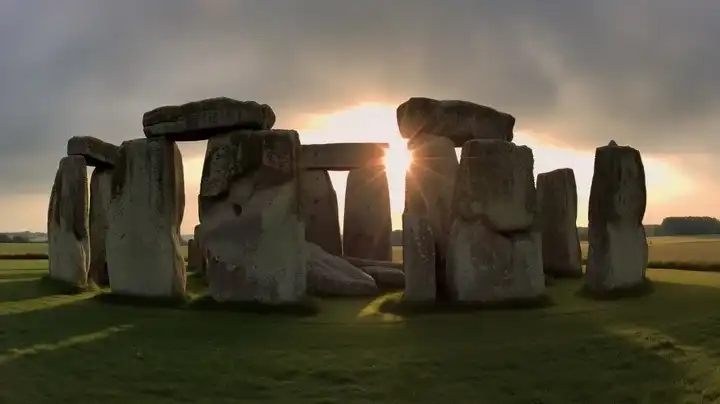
point(639, 71)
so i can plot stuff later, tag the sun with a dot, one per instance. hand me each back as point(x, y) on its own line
point(369, 122)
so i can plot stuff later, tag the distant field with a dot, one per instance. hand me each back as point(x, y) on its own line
point(664, 251)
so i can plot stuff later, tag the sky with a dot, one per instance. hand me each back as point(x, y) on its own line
point(574, 73)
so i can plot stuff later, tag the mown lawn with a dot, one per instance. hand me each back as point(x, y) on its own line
point(662, 348)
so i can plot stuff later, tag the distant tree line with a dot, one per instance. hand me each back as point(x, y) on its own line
point(4, 238)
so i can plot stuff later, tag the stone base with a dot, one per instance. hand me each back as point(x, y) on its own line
point(486, 267)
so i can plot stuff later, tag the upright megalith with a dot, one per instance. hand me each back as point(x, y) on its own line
point(144, 218)
point(200, 120)
point(197, 259)
point(251, 223)
point(494, 250)
point(68, 236)
point(320, 210)
point(100, 196)
point(366, 224)
point(429, 184)
point(457, 120)
point(618, 251)
point(557, 214)
point(419, 262)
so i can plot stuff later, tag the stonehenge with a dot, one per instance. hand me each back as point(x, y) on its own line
point(617, 246)
point(251, 225)
point(495, 251)
point(68, 223)
point(142, 243)
point(475, 230)
point(557, 210)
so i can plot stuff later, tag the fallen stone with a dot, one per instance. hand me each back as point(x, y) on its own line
point(457, 120)
point(429, 184)
point(387, 278)
point(487, 267)
point(329, 275)
point(97, 153)
point(68, 241)
point(320, 210)
point(618, 251)
point(100, 196)
point(251, 225)
point(363, 262)
point(495, 184)
point(144, 218)
point(419, 260)
point(200, 120)
point(367, 225)
point(557, 216)
point(342, 156)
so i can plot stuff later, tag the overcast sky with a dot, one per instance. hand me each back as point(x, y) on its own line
point(576, 73)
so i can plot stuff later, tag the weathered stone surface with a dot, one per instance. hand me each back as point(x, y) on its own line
point(342, 156)
point(320, 210)
point(484, 266)
point(144, 218)
point(199, 120)
point(100, 196)
point(419, 259)
point(557, 216)
point(385, 277)
point(197, 260)
point(329, 275)
point(97, 153)
point(457, 120)
point(68, 236)
point(429, 185)
point(251, 225)
point(367, 225)
point(364, 262)
point(495, 185)
point(618, 252)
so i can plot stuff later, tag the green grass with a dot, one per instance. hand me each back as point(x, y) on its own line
point(660, 348)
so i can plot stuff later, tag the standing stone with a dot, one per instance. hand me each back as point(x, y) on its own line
point(429, 184)
point(367, 225)
point(100, 196)
point(320, 210)
point(251, 224)
point(199, 120)
point(557, 209)
point(618, 251)
point(495, 252)
point(457, 120)
point(146, 211)
point(197, 260)
point(419, 259)
point(68, 241)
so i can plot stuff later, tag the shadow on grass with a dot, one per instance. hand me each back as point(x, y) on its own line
point(306, 307)
point(639, 290)
point(396, 305)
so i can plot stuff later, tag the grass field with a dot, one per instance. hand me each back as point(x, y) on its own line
point(662, 348)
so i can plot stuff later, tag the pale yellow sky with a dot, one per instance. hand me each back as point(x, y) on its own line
point(668, 188)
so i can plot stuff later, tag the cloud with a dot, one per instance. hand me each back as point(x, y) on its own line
point(642, 72)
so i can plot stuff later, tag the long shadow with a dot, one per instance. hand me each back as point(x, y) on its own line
point(23, 289)
point(95, 352)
